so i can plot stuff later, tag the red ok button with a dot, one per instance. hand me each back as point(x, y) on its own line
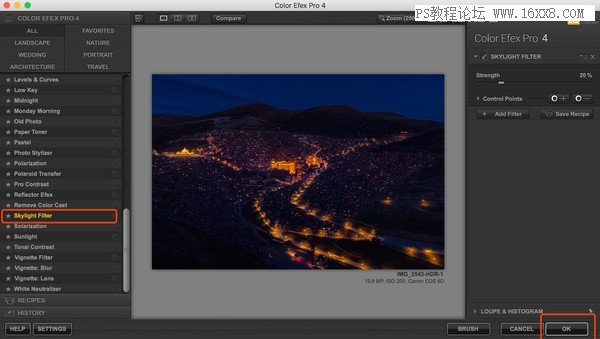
point(566, 329)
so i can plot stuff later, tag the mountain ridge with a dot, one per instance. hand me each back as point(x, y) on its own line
point(338, 121)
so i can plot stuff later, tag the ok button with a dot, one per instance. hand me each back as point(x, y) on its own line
point(566, 329)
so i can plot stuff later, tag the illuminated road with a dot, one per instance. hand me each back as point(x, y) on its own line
point(321, 241)
point(305, 240)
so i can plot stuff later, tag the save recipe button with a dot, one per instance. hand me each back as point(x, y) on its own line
point(468, 329)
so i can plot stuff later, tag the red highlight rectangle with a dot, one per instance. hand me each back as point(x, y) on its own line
point(574, 315)
point(84, 222)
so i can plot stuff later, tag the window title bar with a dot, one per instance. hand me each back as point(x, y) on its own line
point(238, 5)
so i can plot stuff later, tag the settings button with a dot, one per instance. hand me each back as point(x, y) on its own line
point(52, 329)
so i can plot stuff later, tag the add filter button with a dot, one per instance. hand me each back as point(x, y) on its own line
point(468, 329)
point(502, 113)
point(52, 329)
point(566, 329)
point(520, 329)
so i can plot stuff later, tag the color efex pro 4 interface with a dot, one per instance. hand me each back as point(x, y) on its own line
point(289, 171)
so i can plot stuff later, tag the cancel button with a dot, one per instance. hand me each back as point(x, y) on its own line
point(520, 329)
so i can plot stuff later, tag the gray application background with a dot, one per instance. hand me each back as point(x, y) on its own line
point(300, 294)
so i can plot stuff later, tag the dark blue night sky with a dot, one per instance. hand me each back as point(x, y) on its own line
point(414, 95)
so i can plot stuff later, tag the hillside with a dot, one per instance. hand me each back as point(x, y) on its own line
point(337, 121)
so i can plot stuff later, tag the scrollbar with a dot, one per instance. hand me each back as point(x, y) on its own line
point(126, 268)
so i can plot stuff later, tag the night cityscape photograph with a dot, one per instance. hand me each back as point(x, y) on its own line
point(298, 171)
